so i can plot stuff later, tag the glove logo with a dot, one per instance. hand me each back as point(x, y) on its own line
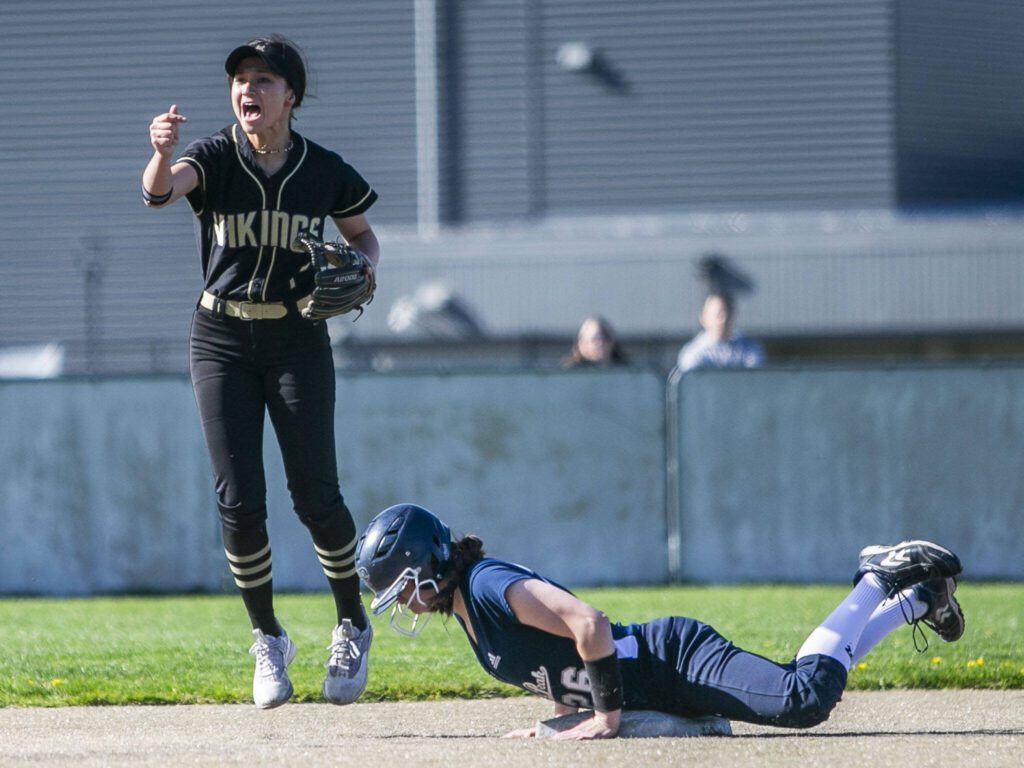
point(342, 279)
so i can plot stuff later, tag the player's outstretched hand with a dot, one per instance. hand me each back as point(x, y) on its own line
point(163, 131)
point(521, 733)
point(603, 725)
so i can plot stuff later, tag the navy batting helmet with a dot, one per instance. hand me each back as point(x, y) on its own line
point(403, 543)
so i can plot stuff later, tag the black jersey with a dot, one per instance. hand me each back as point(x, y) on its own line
point(246, 221)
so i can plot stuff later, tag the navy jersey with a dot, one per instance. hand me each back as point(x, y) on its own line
point(524, 656)
point(246, 221)
point(673, 664)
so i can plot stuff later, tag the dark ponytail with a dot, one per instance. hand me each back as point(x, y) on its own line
point(465, 552)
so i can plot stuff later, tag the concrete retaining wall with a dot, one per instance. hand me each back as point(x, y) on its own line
point(105, 486)
point(774, 474)
point(785, 474)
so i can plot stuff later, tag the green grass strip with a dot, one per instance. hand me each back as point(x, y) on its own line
point(192, 649)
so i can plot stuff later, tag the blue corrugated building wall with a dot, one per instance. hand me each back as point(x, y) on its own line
point(793, 134)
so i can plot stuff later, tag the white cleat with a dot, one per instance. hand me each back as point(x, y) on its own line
point(270, 684)
point(347, 664)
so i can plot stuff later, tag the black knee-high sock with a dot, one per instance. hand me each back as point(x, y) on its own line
point(248, 554)
point(337, 556)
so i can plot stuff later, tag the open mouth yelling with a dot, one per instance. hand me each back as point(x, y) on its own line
point(251, 110)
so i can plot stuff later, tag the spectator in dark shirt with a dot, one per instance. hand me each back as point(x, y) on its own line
point(596, 345)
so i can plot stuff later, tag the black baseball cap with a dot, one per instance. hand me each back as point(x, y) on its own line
point(280, 55)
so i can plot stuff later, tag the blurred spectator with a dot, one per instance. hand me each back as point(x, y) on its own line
point(718, 345)
point(596, 345)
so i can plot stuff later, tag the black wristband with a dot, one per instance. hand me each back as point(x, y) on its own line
point(605, 683)
point(150, 199)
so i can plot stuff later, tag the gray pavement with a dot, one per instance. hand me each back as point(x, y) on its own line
point(875, 729)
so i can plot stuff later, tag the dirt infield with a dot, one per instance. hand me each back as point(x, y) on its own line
point(915, 728)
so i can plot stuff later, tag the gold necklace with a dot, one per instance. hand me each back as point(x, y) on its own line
point(279, 151)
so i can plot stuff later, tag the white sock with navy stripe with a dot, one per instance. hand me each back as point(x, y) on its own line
point(889, 616)
point(840, 633)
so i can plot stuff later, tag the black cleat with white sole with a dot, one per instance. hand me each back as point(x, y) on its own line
point(944, 617)
point(906, 564)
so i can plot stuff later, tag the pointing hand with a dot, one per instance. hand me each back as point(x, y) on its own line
point(163, 131)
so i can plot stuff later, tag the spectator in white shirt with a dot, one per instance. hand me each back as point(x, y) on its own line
point(719, 345)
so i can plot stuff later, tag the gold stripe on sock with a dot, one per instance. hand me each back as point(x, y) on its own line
point(248, 558)
point(336, 552)
point(339, 574)
point(253, 584)
point(246, 571)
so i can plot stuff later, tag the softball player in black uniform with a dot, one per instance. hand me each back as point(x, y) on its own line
point(253, 186)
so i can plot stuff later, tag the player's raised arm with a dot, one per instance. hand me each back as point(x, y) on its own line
point(163, 183)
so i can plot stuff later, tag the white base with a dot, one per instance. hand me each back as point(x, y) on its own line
point(644, 724)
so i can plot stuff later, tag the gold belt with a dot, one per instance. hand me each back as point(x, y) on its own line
point(250, 310)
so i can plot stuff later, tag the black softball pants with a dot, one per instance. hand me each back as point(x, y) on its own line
point(242, 370)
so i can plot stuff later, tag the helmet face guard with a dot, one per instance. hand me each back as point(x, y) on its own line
point(404, 619)
point(404, 543)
